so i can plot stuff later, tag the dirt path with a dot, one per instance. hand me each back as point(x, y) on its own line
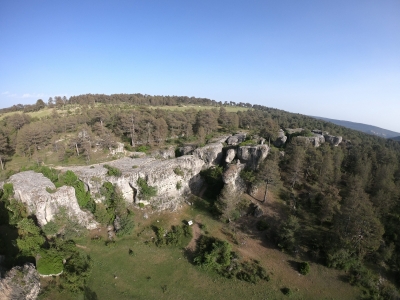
point(196, 235)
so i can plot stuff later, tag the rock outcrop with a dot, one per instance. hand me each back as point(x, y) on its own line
point(211, 154)
point(230, 155)
point(186, 150)
point(281, 139)
point(231, 178)
point(236, 139)
point(333, 140)
point(33, 188)
point(162, 174)
point(165, 153)
point(252, 156)
point(20, 283)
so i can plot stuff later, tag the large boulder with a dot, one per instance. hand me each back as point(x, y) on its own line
point(333, 140)
point(236, 139)
point(230, 155)
point(231, 178)
point(165, 153)
point(281, 139)
point(211, 154)
point(186, 150)
point(33, 188)
point(252, 156)
point(20, 283)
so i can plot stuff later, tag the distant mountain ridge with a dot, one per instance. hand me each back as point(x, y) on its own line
point(370, 129)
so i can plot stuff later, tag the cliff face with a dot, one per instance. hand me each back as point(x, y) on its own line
point(20, 283)
point(30, 188)
point(173, 178)
point(252, 156)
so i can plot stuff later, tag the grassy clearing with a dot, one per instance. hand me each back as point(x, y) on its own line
point(167, 273)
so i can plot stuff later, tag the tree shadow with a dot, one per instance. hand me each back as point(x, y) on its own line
point(88, 294)
point(294, 264)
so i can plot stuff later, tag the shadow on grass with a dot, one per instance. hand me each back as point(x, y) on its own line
point(294, 265)
point(89, 294)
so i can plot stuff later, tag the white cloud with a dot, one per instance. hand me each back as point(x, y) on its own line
point(32, 95)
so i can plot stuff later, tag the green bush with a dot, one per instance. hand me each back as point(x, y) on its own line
point(8, 191)
point(304, 268)
point(252, 272)
point(142, 148)
point(178, 185)
point(146, 191)
point(178, 171)
point(113, 171)
point(51, 228)
point(287, 291)
point(127, 225)
point(50, 262)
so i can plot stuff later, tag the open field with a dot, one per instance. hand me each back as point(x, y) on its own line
point(168, 273)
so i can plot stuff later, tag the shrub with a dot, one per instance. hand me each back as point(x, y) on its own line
point(178, 171)
point(51, 228)
point(141, 205)
point(8, 191)
point(50, 262)
point(287, 291)
point(146, 191)
point(127, 225)
point(50, 190)
point(142, 148)
point(178, 185)
point(113, 171)
point(304, 268)
point(252, 272)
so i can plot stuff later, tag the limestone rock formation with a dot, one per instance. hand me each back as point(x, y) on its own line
point(186, 150)
point(236, 139)
point(230, 155)
point(231, 178)
point(166, 153)
point(281, 139)
point(30, 188)
point(211, 154)
point(333, 140)
point(118, 149)
point(20, 283)
point(161, 174)
point(252, 156)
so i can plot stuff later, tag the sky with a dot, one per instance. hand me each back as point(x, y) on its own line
point(335, 59)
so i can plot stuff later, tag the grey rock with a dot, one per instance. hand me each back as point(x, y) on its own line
point(166, 153)
point(236, 139)
point(20, 283)
point(294, 130)
point(30, 189)
point(281, 139)
point(211, 154)
point(186, 150)
point(252, 156)
point(231, 178)
point(230, 155)
point(118, 149)
point(333, 140)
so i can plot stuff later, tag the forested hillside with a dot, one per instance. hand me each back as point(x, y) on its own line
point(343, 202)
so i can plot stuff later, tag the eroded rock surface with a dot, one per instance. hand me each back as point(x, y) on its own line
point(236, 139)
point(281, 139)
point(162, 174)
point(252, 156)
point(20, 283)
point(230, 155)
point(30, 188)
point(333, 140)
point(211, 154)
point(231, 177)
